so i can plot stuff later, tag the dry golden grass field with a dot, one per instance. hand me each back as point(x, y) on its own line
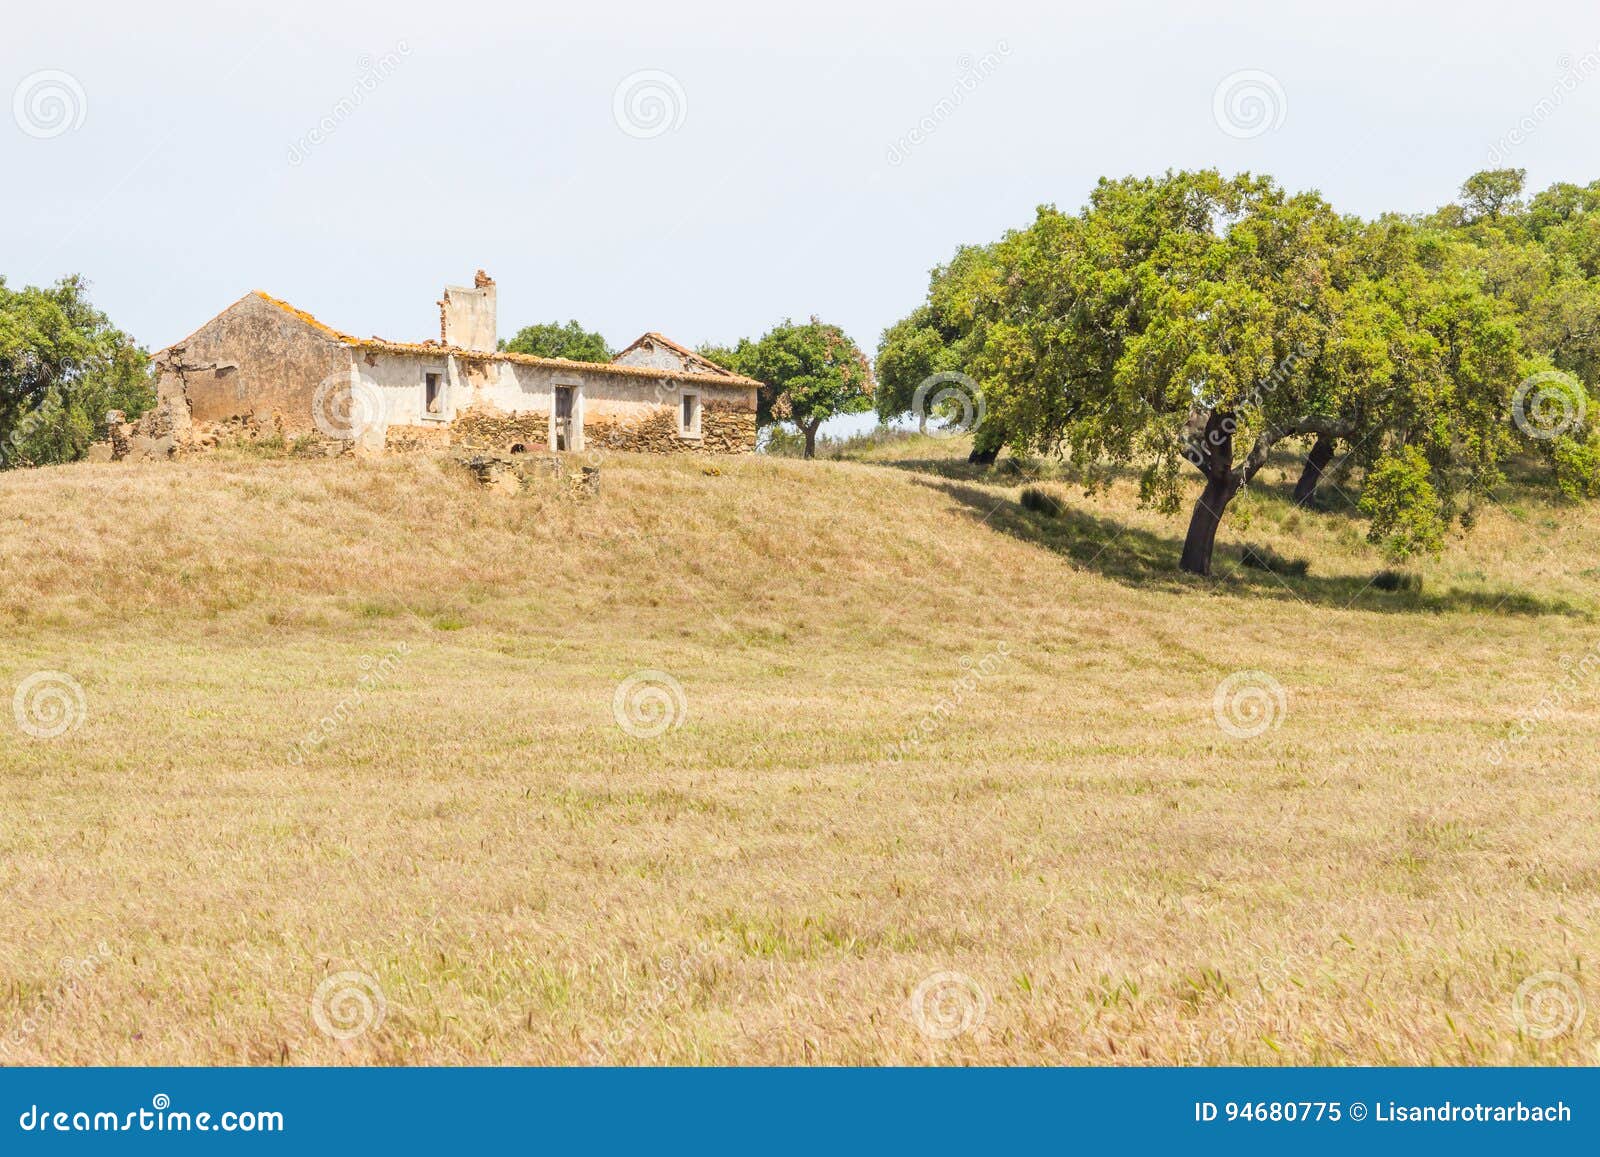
point(363, 771)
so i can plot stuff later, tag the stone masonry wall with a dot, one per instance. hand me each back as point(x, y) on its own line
point(724, 429)
point(415, 439)
point(495, 431)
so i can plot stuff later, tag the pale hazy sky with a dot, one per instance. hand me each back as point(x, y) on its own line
point(165, 151)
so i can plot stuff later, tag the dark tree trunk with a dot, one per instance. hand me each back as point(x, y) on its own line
point(1316, 462)
point(987, 442)
point(811, 439)
point(1202, 537)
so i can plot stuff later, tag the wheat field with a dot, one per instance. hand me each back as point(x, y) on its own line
point(769, 761)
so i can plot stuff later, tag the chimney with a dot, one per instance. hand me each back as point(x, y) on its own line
point(467, 316)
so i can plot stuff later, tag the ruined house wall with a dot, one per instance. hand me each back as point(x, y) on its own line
point(259, 366)
point(400, 381)
point(492, 405)
point(620, 415)
point(254, 361)
point(725, 428)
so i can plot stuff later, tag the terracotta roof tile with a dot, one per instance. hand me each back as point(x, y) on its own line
point(722, 376)
point(688, 354)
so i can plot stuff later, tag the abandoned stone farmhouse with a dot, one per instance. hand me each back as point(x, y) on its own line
point(263, 366)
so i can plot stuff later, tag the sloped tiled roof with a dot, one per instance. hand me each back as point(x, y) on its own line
point(702, 365)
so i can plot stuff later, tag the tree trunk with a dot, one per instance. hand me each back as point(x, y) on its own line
point(811, 439)
point(1316, 462)
point(1202, 536)
point(987, 442)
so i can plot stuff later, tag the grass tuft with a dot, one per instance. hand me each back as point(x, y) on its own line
point(1398, 580)
point(1041, 501)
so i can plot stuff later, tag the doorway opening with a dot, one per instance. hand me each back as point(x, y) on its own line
point(565, 434)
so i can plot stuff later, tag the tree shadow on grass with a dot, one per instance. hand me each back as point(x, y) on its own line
point(1149, 561)
point(1006, 471)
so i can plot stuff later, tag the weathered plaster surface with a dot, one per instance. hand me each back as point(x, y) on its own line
point(253, 360)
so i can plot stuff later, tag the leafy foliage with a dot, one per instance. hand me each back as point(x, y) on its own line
point(809, 373)
point(1577, 467)
point(940, 336)
point(1493, 192)
point(1404, 507)
point(551, 340)
point(1206, 319)
point(62, 366)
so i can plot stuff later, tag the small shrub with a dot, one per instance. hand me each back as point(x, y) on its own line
point(1041, 502)
point(1265, 558)
point(269, 446)
point(1398, 580)
point(783, 442)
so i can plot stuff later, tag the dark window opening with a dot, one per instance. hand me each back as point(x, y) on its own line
point(433, 393)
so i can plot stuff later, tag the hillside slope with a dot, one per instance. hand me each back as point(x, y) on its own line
point(361, 717)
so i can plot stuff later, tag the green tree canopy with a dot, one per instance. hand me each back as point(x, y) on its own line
point(1541, 259)
point(809, 373)
point(552, 340)
point(62, 366)
point(1495, 191)
point(1210, 320)
point(940, 340)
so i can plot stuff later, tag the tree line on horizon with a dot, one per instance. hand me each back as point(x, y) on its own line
point(1185, 321)
point(1199, 322)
